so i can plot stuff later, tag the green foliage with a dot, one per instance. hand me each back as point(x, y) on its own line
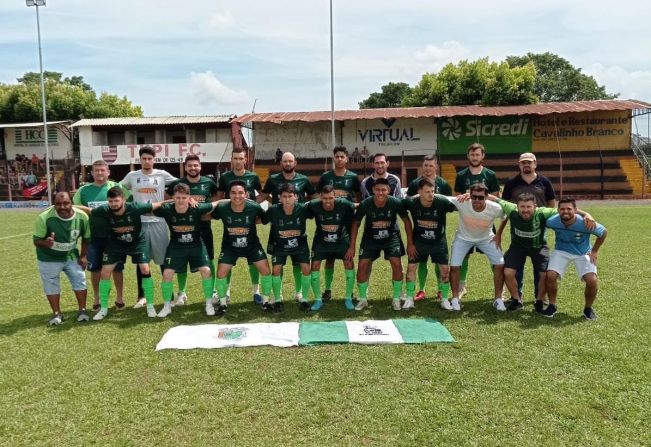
point(558, 80)
point(392, 95)
point(66, 98)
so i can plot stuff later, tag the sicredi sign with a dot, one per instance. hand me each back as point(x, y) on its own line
point(497, 134)
point(391, 135)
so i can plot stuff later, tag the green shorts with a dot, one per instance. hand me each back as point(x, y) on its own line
point(392, 248)
point(298, 257)
point(320, 252)
point(437, 252)
point(115, 253)
point(178, 258)
point(254, 254)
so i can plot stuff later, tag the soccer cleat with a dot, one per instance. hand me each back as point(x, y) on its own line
point(326, 295)
point(83, 316)
point(395, 305)
point(181, 298)
point(589, 314)
point(409, 304)
point(56, 319)
point(298, 296)
point(210, 309)
point(278, 307)
point(318, 304)
point(499, 305)
point(101, 314)
point(420, 296)
point(538, 306)
point(222, 309)
point(267, 306)
point(445, 304)
point(456, 304)
point(361, 304)
point(550, 311)
point(513, 305)
point(304, 305)
point(151, 312)
point(165, 311)
point(142, 302)
point(215, 298)
point(348, 302)
point(257, 298)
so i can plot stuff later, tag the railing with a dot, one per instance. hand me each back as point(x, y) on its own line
point(642, 158)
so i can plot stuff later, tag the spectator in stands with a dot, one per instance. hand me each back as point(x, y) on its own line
point(355, 155)
point(364, 154)
point(36, 162)
point(31, 179)
point(279, 155)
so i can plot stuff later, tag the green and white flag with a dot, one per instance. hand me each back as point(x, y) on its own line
point(305, 334)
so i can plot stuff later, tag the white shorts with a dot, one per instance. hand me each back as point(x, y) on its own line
point(157, 237)
point(51, 271)
point(461, 247)
point(559, 260)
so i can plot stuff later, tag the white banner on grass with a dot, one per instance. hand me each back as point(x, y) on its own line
point(371, 332)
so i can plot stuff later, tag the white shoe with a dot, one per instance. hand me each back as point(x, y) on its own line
point(210, 309)
point(396, 304)
point(181, 298)
point(215, 299)
point(100, 315)
point(298, 297)
point(456, 305)
point(151, 312)
point(463, 292)
point(361, 305)
point(165, 311)
point(228, 299)
point(445, 304)
point(55, 320)
point(140, 303)
point(409, 304)
point(499, 305)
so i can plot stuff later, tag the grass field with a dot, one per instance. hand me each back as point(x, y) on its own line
point(510, 379)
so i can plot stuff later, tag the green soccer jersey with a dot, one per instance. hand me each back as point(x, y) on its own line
point(185, 229)
point(381, 224)
point(287, 233)
point(201, 191)
point(440, 186)
point(251, 180)
point(66, 232)
point(465, 179)
point(346, 186)
point(126, 229)
point(527, 233)
point(240, 232)
point(302, 183)
point(332, 227)
point(94, 196)
point(429, 222)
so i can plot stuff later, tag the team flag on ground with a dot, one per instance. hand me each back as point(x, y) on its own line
point(305, 334)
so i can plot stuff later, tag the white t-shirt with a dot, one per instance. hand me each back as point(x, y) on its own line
point(148, 188)
point(474, 226)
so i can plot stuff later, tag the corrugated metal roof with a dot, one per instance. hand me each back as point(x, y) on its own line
point(39, 124)
point(545, 108)
point(154, 120)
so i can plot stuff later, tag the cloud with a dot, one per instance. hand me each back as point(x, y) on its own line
point(209, 90)
point(219, 23)
point(629, 84)
point(433, 57)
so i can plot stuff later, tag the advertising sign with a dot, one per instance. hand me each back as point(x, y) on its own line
point(391, 136)
point(508, 134)
point(165, 153)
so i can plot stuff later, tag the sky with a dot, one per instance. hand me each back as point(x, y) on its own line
point(215, 57)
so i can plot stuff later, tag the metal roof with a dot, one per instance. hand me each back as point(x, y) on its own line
point(38, 124)
point(154, 121)
point(543, 108)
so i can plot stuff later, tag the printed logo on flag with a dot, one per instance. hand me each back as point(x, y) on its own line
point(109, 154)
point(373, 330)
point(231, 334)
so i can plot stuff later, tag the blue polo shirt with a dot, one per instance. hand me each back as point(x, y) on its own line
point(574, 239)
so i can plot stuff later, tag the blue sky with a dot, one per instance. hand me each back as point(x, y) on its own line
point(177, 57)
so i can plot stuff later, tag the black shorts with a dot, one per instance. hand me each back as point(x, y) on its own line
point(516, 256)
point(438, 253)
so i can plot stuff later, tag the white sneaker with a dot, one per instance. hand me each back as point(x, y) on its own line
point(456, 305)
point(142, 302)
point(409, 304)
point(361, 305)
point(463, 292)
point(445, 304)
point(165, 311)
point(55, 320)
point(215, 298)
point(298, 297)
point(499, 305)
point(210, 309)
point(396, 304)
point(228, 299)
point(100, 315)
point(181, 298)
point(151, 312)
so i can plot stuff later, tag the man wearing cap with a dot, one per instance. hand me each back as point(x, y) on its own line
point(527, 181)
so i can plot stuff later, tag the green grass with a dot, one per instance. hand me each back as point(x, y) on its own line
point(511, 379)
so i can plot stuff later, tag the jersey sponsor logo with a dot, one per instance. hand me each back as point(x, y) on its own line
point(183, 228)
point(186, 238)
point(330, 228)
point(96, 204)
point(427, 223)
point(380, 224)
point(382, 234)
point(339, 193)
point(330, 238)
point(63, 246)
point(238, 231)
point(527, 234)
point(122, 230)
point(292, 243)
point(147, 190)
point(198, 198)
point(241, 242)
point(289, 233)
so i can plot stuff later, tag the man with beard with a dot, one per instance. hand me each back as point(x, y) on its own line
point(381, 170)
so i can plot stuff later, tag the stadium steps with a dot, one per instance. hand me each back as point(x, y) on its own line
point(635, 175)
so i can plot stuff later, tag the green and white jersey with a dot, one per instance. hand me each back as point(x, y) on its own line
point(527, 233)
point(301, 183)
point(465, 179)
point(66, 232)
point(346, 186)
point(381, 224)
point(429, 222)
point(94, 196)
point(240, 231)
point(126, 230)
point(332, 227)
point(201, 191)
point(440, 186)
point(185, 228)
point(287, 233)
point(251, 180)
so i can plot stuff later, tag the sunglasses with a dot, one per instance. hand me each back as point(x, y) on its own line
point(474, 197)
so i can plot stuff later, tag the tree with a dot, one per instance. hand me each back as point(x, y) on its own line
point(558, 80)
point(392, 95)
point(66, 99)
point(476, 82)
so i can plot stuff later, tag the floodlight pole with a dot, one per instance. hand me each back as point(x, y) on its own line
point(332, 83)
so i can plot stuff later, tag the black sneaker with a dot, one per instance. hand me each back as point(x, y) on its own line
point(222, 309)
point(550, 311)
point(326, 295)
point(278, 307)
point(513, 304)
point(267, 307)
point(538, 306)
point(304, 305)
point(589, 314)
point(56, 319)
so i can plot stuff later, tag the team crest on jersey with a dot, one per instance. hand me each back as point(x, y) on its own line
point(229, 220)
point(232, 334)
point(74, 234)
